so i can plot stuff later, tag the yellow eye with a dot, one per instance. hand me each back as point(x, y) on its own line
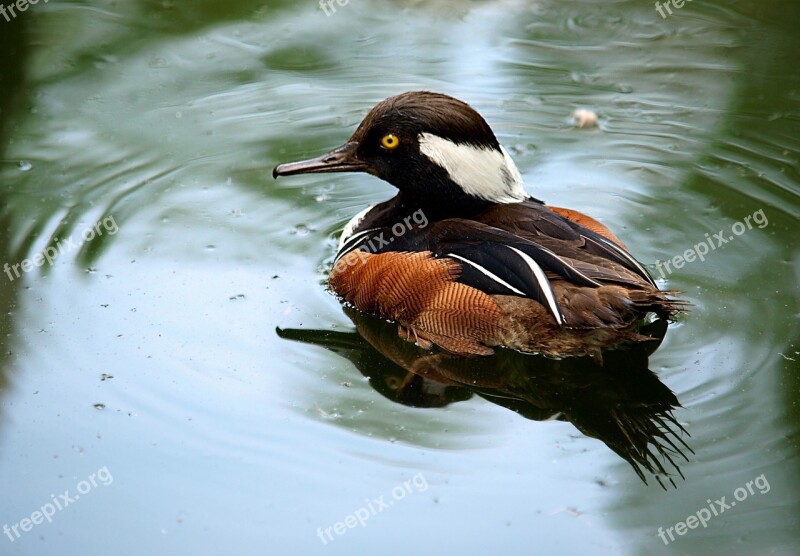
point(390, 141)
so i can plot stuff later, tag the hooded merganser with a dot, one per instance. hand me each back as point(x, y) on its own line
point(462, 257)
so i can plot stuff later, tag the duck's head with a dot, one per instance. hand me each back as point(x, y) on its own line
point(434, 148)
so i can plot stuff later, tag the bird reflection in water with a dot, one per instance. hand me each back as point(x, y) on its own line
point(617, 400)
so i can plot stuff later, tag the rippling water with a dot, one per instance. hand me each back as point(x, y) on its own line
point(139, 136)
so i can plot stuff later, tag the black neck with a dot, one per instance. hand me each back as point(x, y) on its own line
point(403, 205)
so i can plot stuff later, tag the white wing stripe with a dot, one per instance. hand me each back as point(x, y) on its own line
point(544, 284)
point(487, 273)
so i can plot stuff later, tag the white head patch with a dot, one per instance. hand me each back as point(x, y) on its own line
point(481, 172)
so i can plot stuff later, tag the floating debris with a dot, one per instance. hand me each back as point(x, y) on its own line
point(584, 118)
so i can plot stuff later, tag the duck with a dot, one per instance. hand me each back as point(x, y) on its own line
point(463, 258)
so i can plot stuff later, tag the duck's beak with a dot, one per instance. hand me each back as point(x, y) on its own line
point(342, 159)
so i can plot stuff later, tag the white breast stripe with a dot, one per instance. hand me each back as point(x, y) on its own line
point(624, 254)
point(348, 245)
point(351, 226)
point(544, 284)
point(487, 273)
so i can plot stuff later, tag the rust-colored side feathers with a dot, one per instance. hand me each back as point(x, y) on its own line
point(421, 294)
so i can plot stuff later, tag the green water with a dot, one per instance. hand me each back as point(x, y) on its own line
point(151, 369)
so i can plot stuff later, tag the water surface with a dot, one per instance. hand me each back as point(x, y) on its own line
point(152, 349)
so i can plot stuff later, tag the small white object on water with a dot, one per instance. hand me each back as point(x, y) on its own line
point(584, 118)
